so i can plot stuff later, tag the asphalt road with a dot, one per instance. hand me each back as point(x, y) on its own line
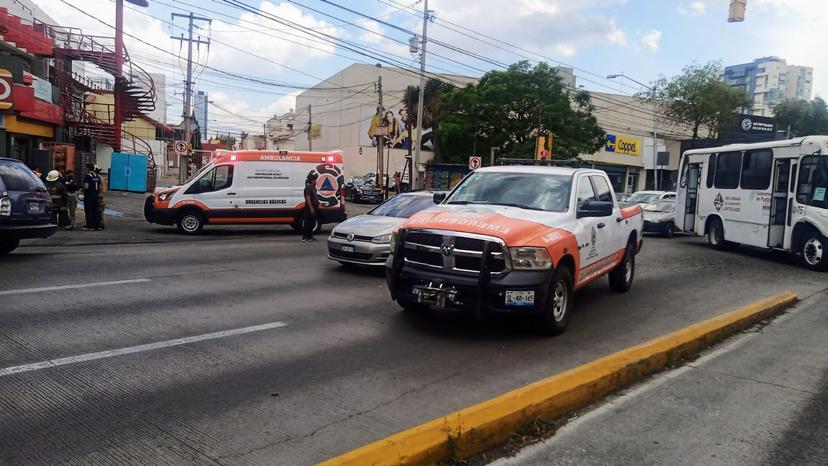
point(335, 366)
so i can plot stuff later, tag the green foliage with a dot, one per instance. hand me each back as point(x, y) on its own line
point(803, 117)
point(435, 89)
point(506, 108)
point(697, 99)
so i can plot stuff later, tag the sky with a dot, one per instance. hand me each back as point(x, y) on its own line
point(643, 39)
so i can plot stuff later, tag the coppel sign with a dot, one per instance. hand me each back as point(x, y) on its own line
point(623, 145)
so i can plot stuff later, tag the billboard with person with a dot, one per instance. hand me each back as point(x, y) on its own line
point(390, 125)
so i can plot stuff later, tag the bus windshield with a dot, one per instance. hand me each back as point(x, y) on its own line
point(813, 181)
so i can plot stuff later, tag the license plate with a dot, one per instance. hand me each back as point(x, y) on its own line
point(346, 248)
point(34, 207)
point(520, 298)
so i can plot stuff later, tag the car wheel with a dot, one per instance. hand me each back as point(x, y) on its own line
point(669, 230)
point(621, 278)
point(190, 222)
point(559, 303)
point(8, 245)
point(812, 251)
point(148, 208)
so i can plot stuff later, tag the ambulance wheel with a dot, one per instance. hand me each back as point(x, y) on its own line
point(812, 250)
point(8, 245)
point(190, 222)
point(559, 303)
point(621, 277)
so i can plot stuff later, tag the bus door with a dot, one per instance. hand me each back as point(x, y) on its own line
point(688, 195)
point(781, 199)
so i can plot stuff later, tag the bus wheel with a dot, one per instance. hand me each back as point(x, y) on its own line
point(715, 236)
point(812, 251)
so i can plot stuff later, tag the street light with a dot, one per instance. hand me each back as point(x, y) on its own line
point(653, 89)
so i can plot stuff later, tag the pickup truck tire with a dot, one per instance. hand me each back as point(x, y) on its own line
point(8, 245)
point(559, 304)
point(621, 277)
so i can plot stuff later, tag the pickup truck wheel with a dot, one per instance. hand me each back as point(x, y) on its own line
point(8, 245)
point(559, 303)
point(621, 277)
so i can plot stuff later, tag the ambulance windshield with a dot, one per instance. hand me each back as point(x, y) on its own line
point(534, 191)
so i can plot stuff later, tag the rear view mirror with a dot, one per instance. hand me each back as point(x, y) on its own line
point(439, 197)
point(595, 209)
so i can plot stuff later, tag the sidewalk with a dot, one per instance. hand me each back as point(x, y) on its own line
point(762, 398)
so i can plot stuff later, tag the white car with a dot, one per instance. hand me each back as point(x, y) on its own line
point(643, 198)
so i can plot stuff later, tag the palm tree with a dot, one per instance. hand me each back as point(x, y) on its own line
point(434, 90)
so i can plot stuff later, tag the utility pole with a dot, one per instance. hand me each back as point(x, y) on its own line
point(655, 139)
point(415, 164)
point(381, 139)
point(310, 128)
point(184, 160)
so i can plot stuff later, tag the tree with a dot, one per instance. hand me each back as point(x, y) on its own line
point(801, 117)
point(698, 99)
point(507, 109)
point(435, 89)
point(227, 140)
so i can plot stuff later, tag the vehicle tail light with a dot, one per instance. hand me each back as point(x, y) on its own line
point(5, 206)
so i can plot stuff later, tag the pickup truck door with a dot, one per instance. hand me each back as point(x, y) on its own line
point(590, 247)
point(611, 236)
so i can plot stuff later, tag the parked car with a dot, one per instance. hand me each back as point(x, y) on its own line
point(362, 189)
point(660, 217)
point(643, 198)
point(364, 239)
point(24, 206)
point(515, 239)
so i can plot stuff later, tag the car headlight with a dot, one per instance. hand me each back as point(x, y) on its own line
point(529, 258)
point(163, 196)
point(386, 238)
point(5, 206)
point(392, 238)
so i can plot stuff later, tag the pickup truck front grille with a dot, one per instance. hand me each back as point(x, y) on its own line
point(453, 252)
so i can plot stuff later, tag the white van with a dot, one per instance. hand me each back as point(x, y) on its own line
point(252, 187)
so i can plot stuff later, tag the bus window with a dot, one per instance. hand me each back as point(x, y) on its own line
point(728, 167)
point(711, 170)
point(756, 169)
point(813, 181)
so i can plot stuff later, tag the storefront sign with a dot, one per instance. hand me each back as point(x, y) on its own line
point(6, 89)
point(626, 145)
point(42, 89)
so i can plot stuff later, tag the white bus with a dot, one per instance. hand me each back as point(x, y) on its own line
point(769, 195)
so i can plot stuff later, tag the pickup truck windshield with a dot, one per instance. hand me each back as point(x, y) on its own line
point(536, 191)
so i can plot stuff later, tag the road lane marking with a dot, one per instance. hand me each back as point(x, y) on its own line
point(136, 349)
point(70, 287)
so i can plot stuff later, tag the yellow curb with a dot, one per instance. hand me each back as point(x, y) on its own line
point(485, 424)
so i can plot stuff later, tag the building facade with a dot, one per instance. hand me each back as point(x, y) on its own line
point(768, 81)
point(282, 131)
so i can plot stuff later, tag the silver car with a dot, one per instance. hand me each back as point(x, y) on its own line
point(366, 239)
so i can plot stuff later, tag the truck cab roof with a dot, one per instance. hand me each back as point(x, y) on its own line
point(539, 169)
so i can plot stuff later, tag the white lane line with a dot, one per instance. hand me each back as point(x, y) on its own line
point(136, 349)
point(70, 287)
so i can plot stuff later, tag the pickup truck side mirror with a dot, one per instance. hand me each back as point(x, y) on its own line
point(595, 209)
point(438, 197)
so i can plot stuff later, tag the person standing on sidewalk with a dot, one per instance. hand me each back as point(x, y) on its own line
point(101, 202)
point(72, 189)
point(309, 213)
point(91, 188)
point(60, 198)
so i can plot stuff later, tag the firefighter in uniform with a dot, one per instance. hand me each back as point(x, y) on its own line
point(60, 199)
point(101, 203)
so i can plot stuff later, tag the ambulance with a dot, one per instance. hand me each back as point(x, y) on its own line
point(251, 187)
point(515, 239)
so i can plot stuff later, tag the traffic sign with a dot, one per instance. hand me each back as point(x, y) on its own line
point(180, 147)
point(474, 163)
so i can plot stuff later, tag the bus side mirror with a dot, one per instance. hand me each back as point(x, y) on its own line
point(439, 197)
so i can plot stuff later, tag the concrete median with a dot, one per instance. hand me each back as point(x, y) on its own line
point(486, 424)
